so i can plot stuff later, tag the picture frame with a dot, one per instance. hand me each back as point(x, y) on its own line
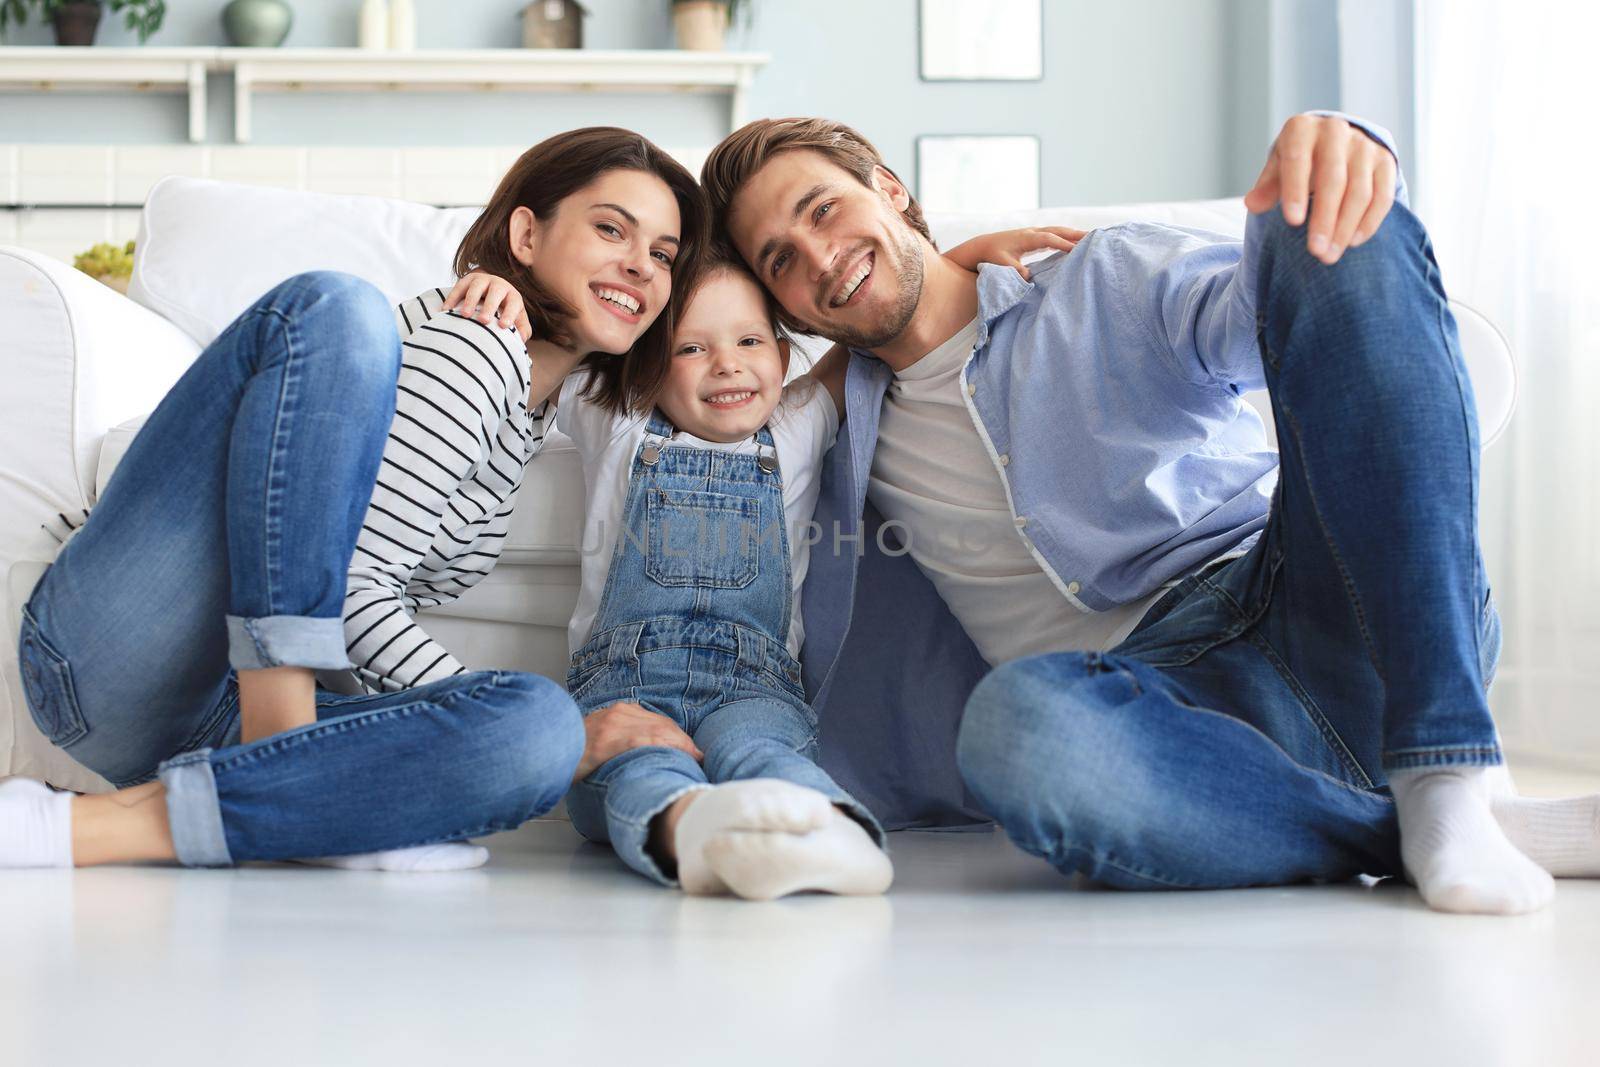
point(978, 172)
point(991, 40)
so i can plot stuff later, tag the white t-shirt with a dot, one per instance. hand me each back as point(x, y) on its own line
point(607, 443)
point(933, 473)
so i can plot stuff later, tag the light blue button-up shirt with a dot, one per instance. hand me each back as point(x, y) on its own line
point(1112, 380)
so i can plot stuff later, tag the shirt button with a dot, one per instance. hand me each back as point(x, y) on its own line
point(1005, 459)
point(972, 388)
point(1021, 522)
point(1073, 587)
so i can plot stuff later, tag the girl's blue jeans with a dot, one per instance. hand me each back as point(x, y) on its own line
point(1244, 733)
point(221, 544)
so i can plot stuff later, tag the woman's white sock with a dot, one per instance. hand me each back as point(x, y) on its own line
point(35, 825)
point(419, 859)
point(1455, 851)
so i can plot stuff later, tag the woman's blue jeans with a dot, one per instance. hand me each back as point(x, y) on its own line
point(1243, 734)
point(222, 543)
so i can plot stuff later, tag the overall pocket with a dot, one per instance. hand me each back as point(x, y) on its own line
point(47, 681)
point(705, 540)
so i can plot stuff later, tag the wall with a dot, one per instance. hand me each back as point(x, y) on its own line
point(1140, 99)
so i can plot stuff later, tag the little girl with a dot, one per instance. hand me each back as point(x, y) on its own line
point(694, 557)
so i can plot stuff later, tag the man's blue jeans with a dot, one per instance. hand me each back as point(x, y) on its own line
point(1242, 734)
point(222, 543)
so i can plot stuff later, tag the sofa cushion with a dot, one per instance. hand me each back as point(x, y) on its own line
point(206, 250)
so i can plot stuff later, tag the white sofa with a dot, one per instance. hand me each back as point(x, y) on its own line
point(81, 364)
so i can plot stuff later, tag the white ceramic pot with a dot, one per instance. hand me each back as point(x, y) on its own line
point(701, 25)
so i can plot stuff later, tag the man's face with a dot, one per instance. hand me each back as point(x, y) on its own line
point(835, 253)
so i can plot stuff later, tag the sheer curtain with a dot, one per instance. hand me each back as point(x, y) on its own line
point(1506, 171)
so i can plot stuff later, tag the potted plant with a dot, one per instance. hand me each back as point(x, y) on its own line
point(702, 25)
point(108, 263)
point(77, 20)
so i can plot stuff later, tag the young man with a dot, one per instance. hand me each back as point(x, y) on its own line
point(1214, 664)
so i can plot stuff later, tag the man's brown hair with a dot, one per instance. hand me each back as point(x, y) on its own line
point(735, 161)
point(541, 178)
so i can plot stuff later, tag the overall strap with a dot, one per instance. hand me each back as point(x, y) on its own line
point(660, 430)
point(657, 432)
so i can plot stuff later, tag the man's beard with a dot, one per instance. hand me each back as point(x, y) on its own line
point(909, 267)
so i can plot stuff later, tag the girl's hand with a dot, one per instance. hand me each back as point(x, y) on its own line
point(1007, 247)
point(487, 299)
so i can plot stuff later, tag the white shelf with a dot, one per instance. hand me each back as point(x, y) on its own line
point(172, 70)
point(257, 70)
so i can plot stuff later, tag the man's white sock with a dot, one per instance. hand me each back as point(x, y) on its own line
point(419, 859)
point(35, 825)
point(755, 804)
point(1562, 836)
point(1455, 851)
point(839, 858)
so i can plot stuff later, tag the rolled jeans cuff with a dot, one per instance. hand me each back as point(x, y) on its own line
point(286, 641)
point(1406, 759)
point(193, 811)
point(632, 843)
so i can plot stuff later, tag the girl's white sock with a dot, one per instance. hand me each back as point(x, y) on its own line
point(757, 805)
point(1455, 851)
point(35, 825)
point(839, 858)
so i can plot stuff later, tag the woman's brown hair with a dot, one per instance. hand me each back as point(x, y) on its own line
point(541, 178)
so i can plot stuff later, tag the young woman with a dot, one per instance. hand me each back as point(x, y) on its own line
point(307, 486)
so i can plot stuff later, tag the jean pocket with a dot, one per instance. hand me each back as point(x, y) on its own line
point(47, 682)
point(704, 540)
point(1489, 639)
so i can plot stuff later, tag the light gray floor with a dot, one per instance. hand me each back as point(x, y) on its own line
point(555, 954)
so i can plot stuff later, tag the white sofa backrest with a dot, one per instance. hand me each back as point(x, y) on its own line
point(206, 250)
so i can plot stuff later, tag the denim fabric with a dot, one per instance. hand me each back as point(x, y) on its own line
point(222, 542)
point(692, 625)
point(1111, 381)
point(1243, 733)
point(469, 755)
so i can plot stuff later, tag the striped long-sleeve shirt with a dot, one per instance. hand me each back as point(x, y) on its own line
point(461, 438)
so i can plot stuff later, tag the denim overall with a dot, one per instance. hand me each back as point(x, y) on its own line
point(692, 624)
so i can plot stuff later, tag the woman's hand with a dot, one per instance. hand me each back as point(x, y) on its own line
point(625, 725)
point(487, 298)
point(1007, 247)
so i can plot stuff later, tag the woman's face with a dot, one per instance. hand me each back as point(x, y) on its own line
point(607, 252)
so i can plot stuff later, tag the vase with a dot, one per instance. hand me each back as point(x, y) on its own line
point(552, 24)
point(76, 23)
point(701, 25)
point(257, 23)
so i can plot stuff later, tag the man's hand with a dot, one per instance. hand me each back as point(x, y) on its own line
point(625, 725)
point(1348, 176)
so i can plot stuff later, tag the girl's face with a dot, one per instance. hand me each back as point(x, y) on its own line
point(607, 251)
point(727, 365)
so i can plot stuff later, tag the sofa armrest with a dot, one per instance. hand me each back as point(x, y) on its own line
point(83, 358)
point(78, 359)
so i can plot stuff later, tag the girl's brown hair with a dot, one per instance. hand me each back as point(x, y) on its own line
point(541, 178)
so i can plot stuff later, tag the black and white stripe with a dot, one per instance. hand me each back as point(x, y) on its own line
point(460, 440)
